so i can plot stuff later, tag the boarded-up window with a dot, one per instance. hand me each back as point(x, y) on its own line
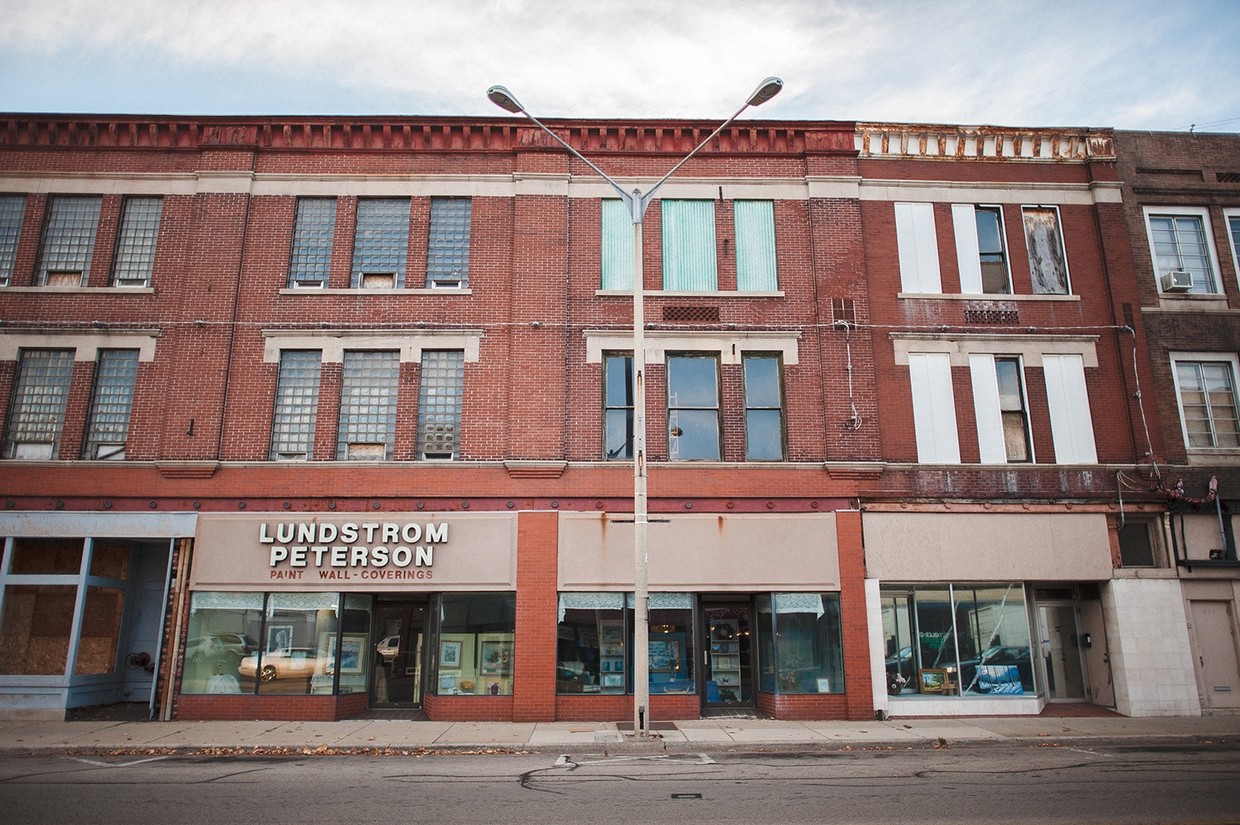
point(755, 246)
point(617, 244)
point(689, 246)
point(1047, 263)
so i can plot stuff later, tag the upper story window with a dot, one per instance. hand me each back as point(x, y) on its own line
point(693, 408)
point(37, 413)
point(447, 251)
point(108, 427)
point(439, 404)
point(617, 245)
point(314, 231)
point(135, 243)
point(1002, 410)
point(68, 241)
point(1233, 235)
point(981, 250)
point(755, 246)
point(1206, 389)
point(617, 406)
point(1182, 249)
point(368, 392)
point(12, 208)
point(1044, 242)
point(764, 408)
point(918, 248)
point(689, 246)
point(297, 404)
point(381, 243)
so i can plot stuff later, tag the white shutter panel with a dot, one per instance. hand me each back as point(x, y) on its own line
point(919, 249)
point(990, 442)
point(934, 408)
point(964, 222)
point(1071, 423)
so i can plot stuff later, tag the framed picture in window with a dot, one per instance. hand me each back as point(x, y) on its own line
point(279, 637)
point(496, 657)
point(352, 653)
point(932, 679)
point(450, 655)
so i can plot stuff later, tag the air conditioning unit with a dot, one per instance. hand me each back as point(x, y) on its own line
point(446, 283)
point(1177, 280)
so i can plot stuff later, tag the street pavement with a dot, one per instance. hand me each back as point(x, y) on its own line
point(369, 736)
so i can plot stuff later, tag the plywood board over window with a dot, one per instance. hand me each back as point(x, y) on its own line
point(1048, 266)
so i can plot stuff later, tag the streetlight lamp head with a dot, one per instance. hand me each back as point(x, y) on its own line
point(766, 90)
point(505, 99)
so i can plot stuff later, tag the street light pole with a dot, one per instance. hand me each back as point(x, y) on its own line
point(637, 202)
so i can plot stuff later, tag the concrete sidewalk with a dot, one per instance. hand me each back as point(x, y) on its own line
point(713, 735)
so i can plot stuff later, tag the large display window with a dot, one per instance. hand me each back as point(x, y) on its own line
point(799, 643)
point(476, 644)
point(957, 640)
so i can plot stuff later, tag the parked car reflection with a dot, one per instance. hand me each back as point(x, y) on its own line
point(289, 663)
point(218, 645)
point(1017, 656)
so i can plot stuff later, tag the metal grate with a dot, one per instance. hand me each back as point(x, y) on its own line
point(68, 240)
point(368, 404)
point(297, 403)
point(692, 315)
point(381, 242)
point(844, 309)
point(135, 247)
point(1227, 177)
point(439, 404)
point(311, 259)
point(991, 316)
point(447, 254)
point(12, 207)
point(115, 375)
point(38, 411)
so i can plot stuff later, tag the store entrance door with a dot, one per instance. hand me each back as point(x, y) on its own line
point(400, 627)
point(728, 661)
point(1061, 652)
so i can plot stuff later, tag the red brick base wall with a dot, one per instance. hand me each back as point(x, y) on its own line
point(291, 708)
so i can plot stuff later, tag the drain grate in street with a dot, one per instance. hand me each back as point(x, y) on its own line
point(652, 726)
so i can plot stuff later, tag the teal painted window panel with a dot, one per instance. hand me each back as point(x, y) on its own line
point(755, 246)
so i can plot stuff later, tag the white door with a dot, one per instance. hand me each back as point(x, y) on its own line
point(1214, 646)
point(1061, 653)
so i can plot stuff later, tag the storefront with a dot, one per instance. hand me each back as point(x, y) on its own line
point(83, 605)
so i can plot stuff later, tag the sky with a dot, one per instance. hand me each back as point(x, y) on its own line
point(1170, 65)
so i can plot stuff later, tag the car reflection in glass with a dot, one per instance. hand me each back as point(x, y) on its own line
point(288, 663)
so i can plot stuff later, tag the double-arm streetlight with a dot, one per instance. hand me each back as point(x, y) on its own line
point(637, 202)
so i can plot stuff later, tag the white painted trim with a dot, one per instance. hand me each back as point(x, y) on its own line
point(333, 343)
point(85, 344)
point(1030, 348)
point(730, 347)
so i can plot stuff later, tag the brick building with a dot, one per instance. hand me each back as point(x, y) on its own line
point(310, 416)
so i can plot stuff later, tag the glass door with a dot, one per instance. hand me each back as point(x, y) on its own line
point(1061, 652)
point(728, 660)
point(398, 633)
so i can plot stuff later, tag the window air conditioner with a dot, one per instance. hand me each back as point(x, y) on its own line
point(1177, 280)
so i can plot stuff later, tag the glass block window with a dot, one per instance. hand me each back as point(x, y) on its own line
point(381, 243)
point(447, 252)
point(368, 406)
point(297, 404)
point(135, 245)
point(12, 207)
point(439, 404)
point(689, 246)
point(37, 413)
point(618, 406)
point(115, 375)
point(617, 244)
point(764, 409)
point(693, 408)
point(68, 241)
point(755, 246)
point(311, 258)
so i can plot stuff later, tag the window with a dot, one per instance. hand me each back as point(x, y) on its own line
point(108, 427)
point(1001, 409)
point(1181, 243)
point(1072, 427)
point(693, 408)
point(1207, 395)
point(689, 246)
point(617, 406)
point(439, 404)
point(1044, 243)
point(368, 406)
point(135, 245)
point(799, 636)
point(1137, 542)
point(934, 408)
point(764, 408)
point(68, 241)
point(447, 252)
point(755, 246)
point(37, 413)
point(381, 243)
point(313, 233)
point(980, 250)
point(617, 245)
point(1233, 234)
point(12, 207)
point(481, 628)
point(297, 403)
point(918, 248)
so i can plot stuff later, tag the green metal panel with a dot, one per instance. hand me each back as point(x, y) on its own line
point(617, 245)
point(755, 246)
point(689, 246)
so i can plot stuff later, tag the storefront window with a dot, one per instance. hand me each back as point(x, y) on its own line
point(223, 632)
point(101, 627)
point(590, 646)
point(299, 645)
point(476, 650)
point(671, 643)
point(356, 652)
point(109, 559)
point(34, 630)
point(799, 643)
point(46, 557)
point(957, 640)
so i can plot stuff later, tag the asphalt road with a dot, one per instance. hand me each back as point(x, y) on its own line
point(1148, 784)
